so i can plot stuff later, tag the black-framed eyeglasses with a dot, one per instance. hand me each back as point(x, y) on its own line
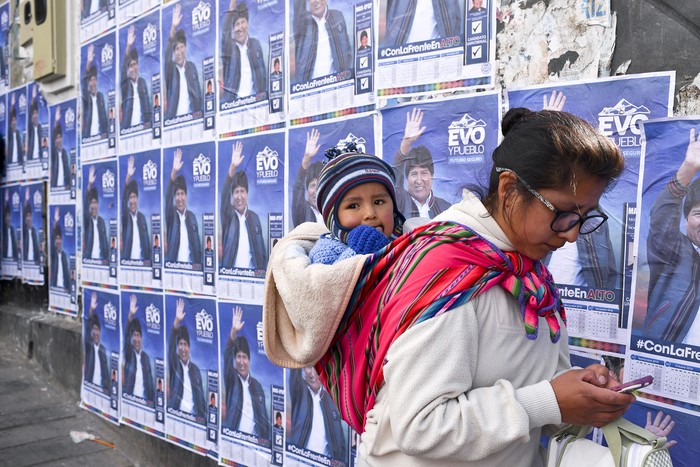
point(564, 220)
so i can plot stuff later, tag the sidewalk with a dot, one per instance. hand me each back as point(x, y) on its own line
point(39, 399)
point(37, 416)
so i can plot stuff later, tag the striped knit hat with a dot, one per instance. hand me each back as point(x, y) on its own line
point(345, 172)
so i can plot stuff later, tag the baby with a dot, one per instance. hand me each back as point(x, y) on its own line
point(356, 198)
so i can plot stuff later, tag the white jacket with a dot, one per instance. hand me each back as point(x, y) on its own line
point(467, 387)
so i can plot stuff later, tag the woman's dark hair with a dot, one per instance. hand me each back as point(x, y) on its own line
point(548, 148)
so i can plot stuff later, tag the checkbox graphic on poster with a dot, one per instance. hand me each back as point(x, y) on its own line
point(364, 62)
point(477, 27)
point(364, 83)
point(476, 51)
point(275, 85)
point(276, 104)
point(278, 440)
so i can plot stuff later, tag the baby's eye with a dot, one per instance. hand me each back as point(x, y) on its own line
point(352, 206)
point(379, 202)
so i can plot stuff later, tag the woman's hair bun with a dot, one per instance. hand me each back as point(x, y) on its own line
point(513, 117)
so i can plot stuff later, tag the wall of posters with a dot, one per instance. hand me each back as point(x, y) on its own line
point(102, 341)
point(251, 197)
point(34, 246)
point(96, 16)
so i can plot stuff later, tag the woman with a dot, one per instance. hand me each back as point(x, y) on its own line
point(437, 359)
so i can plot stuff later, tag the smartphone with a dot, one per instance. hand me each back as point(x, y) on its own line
point(634, 385)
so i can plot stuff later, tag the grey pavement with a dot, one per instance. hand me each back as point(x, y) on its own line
point(37, 415)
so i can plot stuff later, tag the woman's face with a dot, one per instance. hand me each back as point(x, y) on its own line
point(526, 220)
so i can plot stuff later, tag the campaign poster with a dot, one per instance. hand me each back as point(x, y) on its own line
point(140, 220)
point(251, 212)
point(37, 141)
point(99, 392)
point(306, 441)
point(247, 425)
point(139, 83)
point(62, 259)
point(192, 347)
point(306, 148)
point(98, 92)
point(189, 224)
point(616, 107)
point(100, 222)
point(96, 16)
point(11, 232)
point(322, 67)
point(143, 361)
point(188, 31)
point(4, 47)
point(438, 45)
point(251, 64)
point(33, 234)
point(437, 147)
point(129, 9)
point(63, 152)
point(4, 113)
point(665, 326)
point(16, 135)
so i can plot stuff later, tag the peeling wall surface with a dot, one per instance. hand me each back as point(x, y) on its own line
point(551, 40)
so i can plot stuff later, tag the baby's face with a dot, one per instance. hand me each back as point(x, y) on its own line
point(367, 204)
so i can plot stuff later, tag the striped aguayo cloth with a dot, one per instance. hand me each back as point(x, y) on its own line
point(429, 271)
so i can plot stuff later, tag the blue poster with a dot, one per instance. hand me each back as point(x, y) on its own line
point(422, 44)
point(139, 82)
point(307, 442)
point(4, 113)
point(306, 148)
point(251, 211)
point(96, 16)
point(665, 326)
point(437, 148)
point(33, 234)
point(188, 38)
point(192, 370)
point(100, 221)
point(62, 259)
point(140, 219)
point(189, 221)
point(16, 135)
point(322, 66)
point(64, 152)
point(11, 232)
point(251, 71)
point(98, 92)
point(143, 361)
point(128, 9)
point(37, 135)
point(246, 428)
point(4, 46)
point(616, 106)
point(102, 341)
